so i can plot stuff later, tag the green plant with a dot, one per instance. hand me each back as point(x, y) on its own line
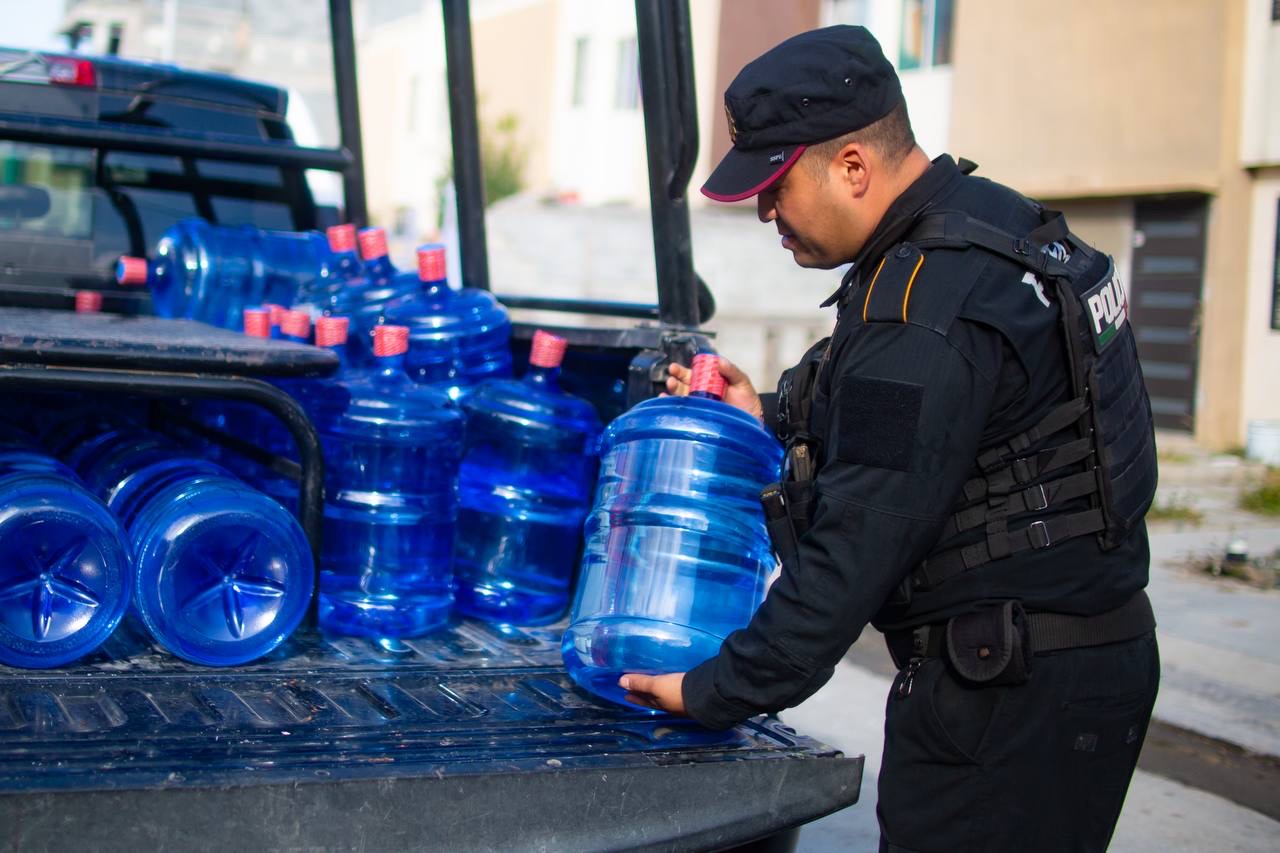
point(502, 160)
point(1265, 499)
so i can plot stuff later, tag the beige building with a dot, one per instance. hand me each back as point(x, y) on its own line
point(1156, 127)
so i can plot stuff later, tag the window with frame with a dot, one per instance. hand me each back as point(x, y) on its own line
point(626, 95)
point(925, 40)
point(1275, 276)
point(581, 51)
point(853, 12)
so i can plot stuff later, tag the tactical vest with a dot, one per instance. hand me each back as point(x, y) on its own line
point(1110, 458)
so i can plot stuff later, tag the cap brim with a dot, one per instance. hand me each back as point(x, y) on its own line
point(742, 174)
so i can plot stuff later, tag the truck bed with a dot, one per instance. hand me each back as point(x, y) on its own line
point(471, 738)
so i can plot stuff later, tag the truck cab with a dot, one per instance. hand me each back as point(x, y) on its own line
point(472, 737)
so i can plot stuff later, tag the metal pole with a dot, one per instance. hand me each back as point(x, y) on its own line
point(671, 127)
point(468, 176)
point(342, 34)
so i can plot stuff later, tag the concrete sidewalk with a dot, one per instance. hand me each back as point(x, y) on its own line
point(1219, 637)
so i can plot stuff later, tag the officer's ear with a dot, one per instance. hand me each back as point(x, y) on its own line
point(852, 166)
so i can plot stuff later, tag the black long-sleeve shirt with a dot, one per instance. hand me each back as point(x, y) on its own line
point(901, 411)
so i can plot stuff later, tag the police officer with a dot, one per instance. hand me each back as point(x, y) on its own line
point(969, 459)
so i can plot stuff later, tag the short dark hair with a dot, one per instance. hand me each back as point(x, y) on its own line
point(890, 136)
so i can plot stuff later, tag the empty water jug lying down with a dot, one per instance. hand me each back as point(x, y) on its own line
point(677, 555)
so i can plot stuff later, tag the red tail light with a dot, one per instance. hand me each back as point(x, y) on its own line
point(69, 71)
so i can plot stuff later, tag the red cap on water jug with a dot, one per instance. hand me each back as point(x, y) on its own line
point(296, 324)
point(88, 301)
point(390, 340)
point(431, 264)
point(373, 243)
point(131, 271)
point(342, 238)
point(331, 331)
point(257, 322)
point(706, 376)
point(547, 350)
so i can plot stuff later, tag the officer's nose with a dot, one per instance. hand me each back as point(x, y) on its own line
point(764, 207)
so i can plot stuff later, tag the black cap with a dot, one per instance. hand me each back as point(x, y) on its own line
point(811, 88)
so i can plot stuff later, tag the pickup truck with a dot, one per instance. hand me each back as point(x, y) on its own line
point(471, 738)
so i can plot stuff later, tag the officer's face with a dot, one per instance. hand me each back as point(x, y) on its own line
point(812, 215)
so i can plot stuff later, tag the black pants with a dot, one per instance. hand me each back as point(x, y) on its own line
point(1042, 766)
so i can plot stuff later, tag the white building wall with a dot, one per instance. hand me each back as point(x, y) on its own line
point(1260, 134)
point(927, 90)
point(597, 150)
point(1262, 342)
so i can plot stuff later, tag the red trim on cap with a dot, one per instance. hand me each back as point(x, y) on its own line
point(758, 188)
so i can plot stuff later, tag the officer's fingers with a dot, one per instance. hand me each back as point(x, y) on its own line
point(732, 373)
point(636, 682)
point(645, 701)
point(679, 371)
point(675, 386)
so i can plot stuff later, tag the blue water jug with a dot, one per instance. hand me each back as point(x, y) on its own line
point(391, 476)
point(223, 573)
point(677, 555)
point(524, 490)
point(384, 284)
point(212, 272)
point(457, 338)
point(65, 578)
point(321, 398)
point(339, 278)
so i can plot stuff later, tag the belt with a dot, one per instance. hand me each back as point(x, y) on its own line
point(1050, 632)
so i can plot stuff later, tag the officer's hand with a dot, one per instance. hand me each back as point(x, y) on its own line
point(662, 692)
point(740, 392)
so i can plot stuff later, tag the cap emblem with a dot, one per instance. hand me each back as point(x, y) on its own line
point(733, 126)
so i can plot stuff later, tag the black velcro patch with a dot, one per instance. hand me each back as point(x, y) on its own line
point(878, 422)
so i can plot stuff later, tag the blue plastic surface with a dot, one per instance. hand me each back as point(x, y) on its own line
point(677, 555)
point(524, 489)
point(223, 573)
point(213, 272)
point(457, 338)
point(391, 473)
point(65, 578)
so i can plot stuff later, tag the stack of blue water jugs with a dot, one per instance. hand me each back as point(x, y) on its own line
point(217, 572)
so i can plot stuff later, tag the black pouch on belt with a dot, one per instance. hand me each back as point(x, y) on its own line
point(800, 495)
point(778, 523)
point(992, 646)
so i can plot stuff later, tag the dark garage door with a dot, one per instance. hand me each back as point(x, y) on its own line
point(1164, 303)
